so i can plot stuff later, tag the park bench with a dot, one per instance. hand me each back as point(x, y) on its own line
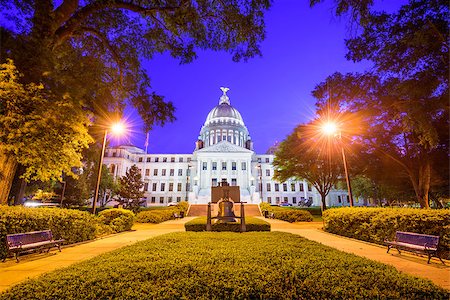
point(25, 242)
point(415, 242)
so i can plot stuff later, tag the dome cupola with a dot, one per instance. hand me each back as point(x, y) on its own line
point(224, 123)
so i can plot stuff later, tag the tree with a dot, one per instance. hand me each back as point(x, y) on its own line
point(44, 134)
point(305, 154)
point(131, 189)
point(404, 97)
point(91, 51)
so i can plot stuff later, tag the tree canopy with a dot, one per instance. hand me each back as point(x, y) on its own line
point(403, 99)
point(88, 55)
point(307, 154)
point(131, 189)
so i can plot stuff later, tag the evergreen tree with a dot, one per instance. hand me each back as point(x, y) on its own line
point(131, 189)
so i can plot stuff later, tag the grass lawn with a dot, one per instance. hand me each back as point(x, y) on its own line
point(224, 265)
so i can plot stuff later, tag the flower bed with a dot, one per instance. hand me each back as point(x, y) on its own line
point(225, 265)
point(251, 224)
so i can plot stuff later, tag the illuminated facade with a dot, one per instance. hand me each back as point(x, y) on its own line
point(224, 151)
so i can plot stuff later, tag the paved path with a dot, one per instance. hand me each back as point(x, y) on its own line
point(33, 265)
point(408, 263)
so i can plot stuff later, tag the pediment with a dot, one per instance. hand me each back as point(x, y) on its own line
point(225, 146)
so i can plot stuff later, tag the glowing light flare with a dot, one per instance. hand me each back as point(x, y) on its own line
point(330, 128)
point(118, 129)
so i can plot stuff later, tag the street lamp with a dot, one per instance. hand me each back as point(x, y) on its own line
point(116, 129)
point(331, 129)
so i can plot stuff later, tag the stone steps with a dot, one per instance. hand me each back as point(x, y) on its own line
point(197, 210)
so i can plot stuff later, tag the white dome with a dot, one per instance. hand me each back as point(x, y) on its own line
point(224, 112)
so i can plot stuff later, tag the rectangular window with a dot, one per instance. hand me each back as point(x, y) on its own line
point(180, 159)
point(214, 182)
point(148, 159)
point(172, 172)
point(284, 187)
point(153, 199)
point(277, 187)
point(268, 187)
point(188, 172)
point(161, 199)
point(259, 159)
point(156, 159)
point(146, 187)
point(244, 166)
point(309, 188)
point(179, 187)
point(205, 166)
point(233, 166)
point(169, 199)
point(224, 165)
point(178, 199)
point(310, 199)
point(114, 154)
point(267, 159)
point(163, 186)
point(348, 199)
point(188, 186)
point(147, 172)
point(285, 199)
point(233, 182)
point(180, 172)
point(172, 159)
point(269, 200)
point(267, 172)
point(339, 199)
point(294, 200)
point(301, 187)
point(171, 187)
point(163, 172)
point(277, 200)
point(155, 172)
point(140, 159)
point(214, 166)
point(154, 187)
point(164, 159)
point(293, 187)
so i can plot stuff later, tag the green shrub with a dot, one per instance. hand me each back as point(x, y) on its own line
point(251, 224)
point(226, 265)
point(377, 224)
point(161, 214)
point(71, 225)
point(287, 214)
point(118, 219)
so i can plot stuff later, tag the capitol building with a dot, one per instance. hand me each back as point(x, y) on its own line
point(223, 152)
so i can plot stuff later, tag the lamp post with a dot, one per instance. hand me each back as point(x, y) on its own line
point(116, 128)
point(331, 129)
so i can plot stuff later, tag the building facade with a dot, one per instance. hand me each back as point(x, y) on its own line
point(223, 152)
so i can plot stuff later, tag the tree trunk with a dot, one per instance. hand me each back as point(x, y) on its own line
point(324, 204)
point(422, 184)
point(8, 166)
point(18, 200)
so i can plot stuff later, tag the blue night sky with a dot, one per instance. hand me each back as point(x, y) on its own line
point(303, 46)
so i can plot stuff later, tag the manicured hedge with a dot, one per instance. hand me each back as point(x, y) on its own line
point(376, 224)
point(161, 215)
point(287, 214)
point(71, 225)
point(118, 219)
point(251, 224)
point(225, 265)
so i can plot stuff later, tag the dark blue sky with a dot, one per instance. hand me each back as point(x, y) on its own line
point(273, 93)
